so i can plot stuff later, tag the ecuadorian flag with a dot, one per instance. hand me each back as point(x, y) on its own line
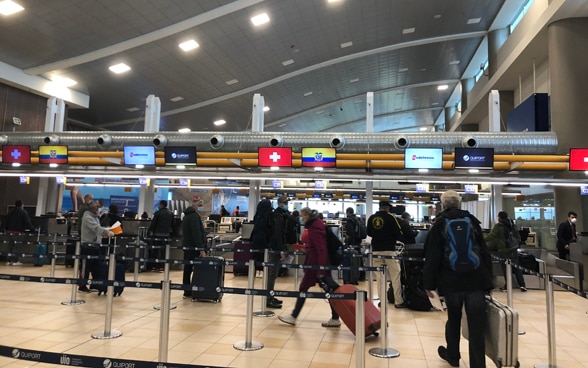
point(53, 154)
point(319, 157)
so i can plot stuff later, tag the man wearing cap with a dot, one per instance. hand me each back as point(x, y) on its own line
point(408, 233)
point(385, 229)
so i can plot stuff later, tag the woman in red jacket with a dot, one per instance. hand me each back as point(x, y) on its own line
point(316, 254)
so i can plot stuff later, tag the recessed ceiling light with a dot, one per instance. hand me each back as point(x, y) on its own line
point(15, 164)
point(306, 94)
point(473, 171)
point(119, 68)
point(184, 130)
point(332, 1)
point(423, 170)
point(232, 81)
point(442, 87)
point(423, 70)
point(260, 19)
point(319, 112)
point(354, 80)
point(435, 104)
point(132, 109)
point(140, 166)
point(318, 168)
point(408, 30)
point(180, 167)
point(189, 45)
point(346, 44)
point(53, 165)
point(266, 108)
point(9, 7)
point(220, 122)
point(423, 129)
point(402, 70)
point(275, 168)
point(288, 62)
point(437, 16)
point(474, 20)
point(63, 81)
point(454, 62)
point(176, 99)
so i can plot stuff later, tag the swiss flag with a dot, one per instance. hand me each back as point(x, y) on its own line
point(16, 154)
point(268, 157)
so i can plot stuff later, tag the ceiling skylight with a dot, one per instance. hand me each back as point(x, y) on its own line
point(119, 68)
point(189, 45)
point(260, 19)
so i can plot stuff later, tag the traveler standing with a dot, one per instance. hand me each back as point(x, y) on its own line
point(89, 197)
point(223, 212)
point(351, 236)
point(161, 228)
point(408, 233)
point(566, 234)
point(17, 222)
point(499, 235)
point(315, 239)
point(384, 228)
point(460, 288)
point(193, 237)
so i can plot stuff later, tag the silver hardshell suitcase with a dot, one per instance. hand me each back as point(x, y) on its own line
point(501, 335)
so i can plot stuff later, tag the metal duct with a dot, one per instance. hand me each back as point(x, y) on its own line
point(502, 142)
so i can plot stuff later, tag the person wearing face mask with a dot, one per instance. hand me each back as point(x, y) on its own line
point(83, 208)
point(566, 234)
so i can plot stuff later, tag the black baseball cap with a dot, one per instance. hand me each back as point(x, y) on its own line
point(385, 204)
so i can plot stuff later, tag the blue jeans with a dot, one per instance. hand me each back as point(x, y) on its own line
point(475, 307)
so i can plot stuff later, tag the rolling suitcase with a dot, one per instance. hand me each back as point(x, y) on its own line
point(351, 259)
point(241, 254)
point(501, 334)
point(209, 273)
point(346, 310)
point(119, 275)
point(40, 249)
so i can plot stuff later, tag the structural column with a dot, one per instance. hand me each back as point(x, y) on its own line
point(496, 39)
point(567, 45)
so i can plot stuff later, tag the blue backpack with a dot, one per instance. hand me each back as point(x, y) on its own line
point(462, 251)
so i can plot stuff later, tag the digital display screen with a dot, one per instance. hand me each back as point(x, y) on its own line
point(16, 154)
point(319, 157)
point(53, 154)
point(139, 155)
point(470, 189)
point(274, 157)
point(277, 184)
point(184, 182)
point(578, 159)
point(422, 188)
point(584, 190)
point(423, 158)
point(24, 180)
point(180, 155)
point(474, 158)
point(60, 180)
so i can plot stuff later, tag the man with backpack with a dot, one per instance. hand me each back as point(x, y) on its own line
point(385, 231)
point(458, 264)
point(355, 230)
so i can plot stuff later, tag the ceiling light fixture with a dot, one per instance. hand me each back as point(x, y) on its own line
point(132, 109)
point(408, 30)
point(423, 129)
point(354, 80)
point(306, 94)
point(9, 7)
point(220, 122)
point(184, 130)
point(442, 87)
point(176, 99)
point(474, 20)
point(402, 70)
point(346, 44)
point(231, 82)
point(287, 62)
point(266, 108)
point(260, 19)
point(119, 68)
point(189, 45)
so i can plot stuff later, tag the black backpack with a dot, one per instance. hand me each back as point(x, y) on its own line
point(462, 251)
point(511, 240)
point(334, 248)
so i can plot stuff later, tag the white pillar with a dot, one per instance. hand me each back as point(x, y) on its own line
point(257, 125)
point(152, 114)
point(369, 128)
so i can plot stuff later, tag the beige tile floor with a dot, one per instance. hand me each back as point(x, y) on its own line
point(33, 317)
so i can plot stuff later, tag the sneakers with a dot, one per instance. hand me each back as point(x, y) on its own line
point(259, 274)
point(288, 319)
point(442, 351)
point(17, 263)
point(523, 289)
point(400, 306)
point(83, 289)
point(273, 304)
point(331, 323)
point(503, 288)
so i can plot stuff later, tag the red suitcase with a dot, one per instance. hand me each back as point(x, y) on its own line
point(346, 310)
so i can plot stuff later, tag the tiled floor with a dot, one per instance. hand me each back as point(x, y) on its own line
point(33, 317)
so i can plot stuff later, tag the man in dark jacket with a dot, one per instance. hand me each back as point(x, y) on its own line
point(408, 233)
point(17, 222)
point(460, 289)
point(161, 228)
point(351, 236)
point(193, 237)
point(384, 228)
point(566, 234)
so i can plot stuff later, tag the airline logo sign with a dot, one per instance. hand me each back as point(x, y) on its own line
point(578, 159)
point(319, 157)
point(280, 157)
point(53, 154)
point(474, 158)
point(16, 154)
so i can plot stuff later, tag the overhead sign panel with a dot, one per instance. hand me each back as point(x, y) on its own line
point(180, 155)
point(474, 158)
point(53, 154)
point(16, 154)
point(280, 157)
point(139, 155)
point(319, 157)
point(423, 158)
point(578, 159)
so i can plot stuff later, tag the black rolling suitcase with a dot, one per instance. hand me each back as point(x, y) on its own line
point(70, 250)
point(351, 259)
point(242, 253)
point(119, 275)
point(209, 274)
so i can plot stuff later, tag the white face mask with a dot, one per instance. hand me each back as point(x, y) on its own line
point(573, 221)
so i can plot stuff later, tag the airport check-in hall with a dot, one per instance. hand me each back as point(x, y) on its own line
point(143, 142)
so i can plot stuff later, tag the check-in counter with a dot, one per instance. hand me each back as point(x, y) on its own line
point(579, 254)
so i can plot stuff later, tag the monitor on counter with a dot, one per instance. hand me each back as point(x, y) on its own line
point(139, 155)
point(423, 158)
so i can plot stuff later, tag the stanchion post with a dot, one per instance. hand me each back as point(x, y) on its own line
point(136, 264)
point(76, 266)
point(108, 332)
point(384, 351)
point(508, 281)
point(370, 275)
point(165, 309)
point(263, 312)
point(550, 324)
point(249, 345)
point(296, 271)
point(166, 278)
point(53, 259)
point(360, 298)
